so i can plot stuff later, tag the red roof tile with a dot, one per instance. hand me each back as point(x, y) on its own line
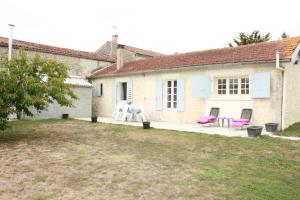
point(261, 52)
point(56, 50)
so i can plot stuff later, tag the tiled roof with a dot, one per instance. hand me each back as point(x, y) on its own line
point(261, 52)
point(56, 50)
point(142, 51)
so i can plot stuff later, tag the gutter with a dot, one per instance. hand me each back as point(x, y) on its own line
point(186, 68)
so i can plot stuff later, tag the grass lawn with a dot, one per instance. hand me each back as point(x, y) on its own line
point(293, 130)
point(69, 159)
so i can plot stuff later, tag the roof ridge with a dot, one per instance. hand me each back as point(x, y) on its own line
point(44, 47)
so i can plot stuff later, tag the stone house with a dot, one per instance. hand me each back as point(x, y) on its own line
point(179, 88)
point(81, 64)
point(129, 53)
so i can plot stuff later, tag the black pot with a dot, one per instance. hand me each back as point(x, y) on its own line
point(271, 127)
point(254, 131)
point(146, 125)
point(94, 119)
point(65, 116)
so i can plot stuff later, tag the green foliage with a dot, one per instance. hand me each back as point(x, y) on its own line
point(284, 35)
point(254, 37)
point(32, 83)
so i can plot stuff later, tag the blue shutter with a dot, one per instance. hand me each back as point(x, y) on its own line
point(129, 91)
point(98, 90)
point(159, 95)
point(201, 86)
point(260, 85)
point(114, 95)
point(180, 95)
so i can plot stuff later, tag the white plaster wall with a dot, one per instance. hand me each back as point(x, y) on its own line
point(81, 107)
point(144, 93)
point(291, 105)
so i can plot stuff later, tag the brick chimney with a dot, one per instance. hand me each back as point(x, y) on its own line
point(120, 56)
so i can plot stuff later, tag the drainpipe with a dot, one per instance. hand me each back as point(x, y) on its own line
point(282, 88)
point(11, 27)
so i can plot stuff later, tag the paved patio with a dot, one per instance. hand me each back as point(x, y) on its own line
point(212, 130)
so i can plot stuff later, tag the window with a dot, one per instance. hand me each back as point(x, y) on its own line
point(123, 91)
point(99, 89)
point(172, 94)
point(222, 86)
point(244, 86)
point(233, 86)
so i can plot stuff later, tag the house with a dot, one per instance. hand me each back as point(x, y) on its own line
point(129, 53)
point(179, 88)
point(81, 64)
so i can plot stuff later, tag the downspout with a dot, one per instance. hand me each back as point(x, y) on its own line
point(11, 27)
point(282, 88)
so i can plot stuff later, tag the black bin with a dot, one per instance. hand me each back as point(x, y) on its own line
point(94, 119)
point(271, 127)
point(146, 125)
point(254, 131)
point(65, 116)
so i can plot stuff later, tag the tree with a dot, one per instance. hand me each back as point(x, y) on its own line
point(284, 35)
point(254, 37)
point(34, 84)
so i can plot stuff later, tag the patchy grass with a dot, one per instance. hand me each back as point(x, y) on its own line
point(69, 159)
point(293, 130)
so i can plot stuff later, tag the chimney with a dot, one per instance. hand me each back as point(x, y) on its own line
point(120, 58)
point(10, 40)
point(114, 39)
point(114, 45)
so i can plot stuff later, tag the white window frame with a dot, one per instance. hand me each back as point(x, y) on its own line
point(173, 94)
point(228, 89)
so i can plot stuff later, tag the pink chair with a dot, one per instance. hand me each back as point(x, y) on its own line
point(244, 120)
point(211, 118)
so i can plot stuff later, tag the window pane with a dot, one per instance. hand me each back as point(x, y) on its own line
point(175, 90)
point(174, 105)
point(221, 86)
point(169, 83)
point(175, 83)
point(175, 98)
point(169, 104)
point(169, 97)
point(169, 90)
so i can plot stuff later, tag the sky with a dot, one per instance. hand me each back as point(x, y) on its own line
point(165, 26)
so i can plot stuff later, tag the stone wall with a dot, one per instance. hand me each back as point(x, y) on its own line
point(77, 66)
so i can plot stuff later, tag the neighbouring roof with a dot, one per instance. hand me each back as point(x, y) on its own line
point(261, 52)
point(133, 49)
point(142, 51)
point(56, 50)
point(78, 81)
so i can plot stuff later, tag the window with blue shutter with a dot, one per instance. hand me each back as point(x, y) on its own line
point(180, 95)
point(260, 85)
point(159, 95)
point(201, 86)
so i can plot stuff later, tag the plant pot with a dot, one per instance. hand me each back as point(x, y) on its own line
point(271, 127)
point(94, 119)
point(146, 125)
point(65, 116)
point(254, 131)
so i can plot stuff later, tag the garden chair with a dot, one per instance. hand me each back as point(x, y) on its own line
point(244, 120)
point(211, 118)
